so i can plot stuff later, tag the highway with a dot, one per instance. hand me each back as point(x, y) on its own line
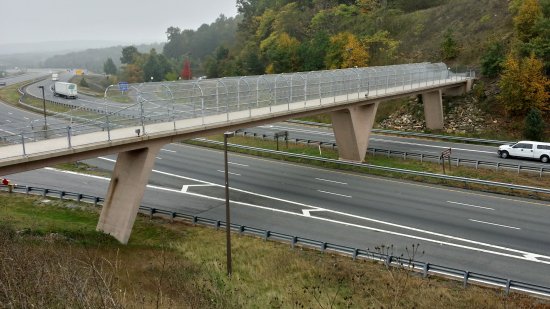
point(484, 233)
point(395, 143)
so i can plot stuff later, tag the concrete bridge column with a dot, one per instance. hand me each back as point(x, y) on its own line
point(433, 109)
point(130, 176)
point(352, 127)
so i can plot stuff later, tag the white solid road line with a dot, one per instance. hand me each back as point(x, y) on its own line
point(426, 145)
point(501, 225)
point(468, 205)
point(168, 150)
point(321, 179)
point(238, 164)
point(331, 193)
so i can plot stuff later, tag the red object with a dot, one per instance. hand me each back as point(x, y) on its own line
point(5, 182)
point(186, 70)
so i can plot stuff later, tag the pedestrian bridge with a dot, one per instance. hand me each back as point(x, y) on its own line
point(136, 120)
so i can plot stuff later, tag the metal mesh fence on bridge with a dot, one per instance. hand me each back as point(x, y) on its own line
point(138, 105)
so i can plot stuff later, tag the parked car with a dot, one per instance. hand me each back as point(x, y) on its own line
point(526, 149)
point(2, 83)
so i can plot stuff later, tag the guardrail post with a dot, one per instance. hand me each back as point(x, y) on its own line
point(27, 189)
point(45, 192)
point(96, 200)
point(61, 194)
point(498, 164)
point(508, 284)
point(195, 220)
point(266, 235)
point(355, 252)
point(425, 270)
point(388, 260)
point(293, 242)
point(78, 197)
point(421, 158)
point(540, 174)
point(519, 168)
point(323, 247)
point(151, 213)
point(466, 275)
point(218, 224)
point(241, 229)
point(477, 164)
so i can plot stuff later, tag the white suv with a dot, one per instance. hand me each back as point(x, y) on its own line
point(526, 149)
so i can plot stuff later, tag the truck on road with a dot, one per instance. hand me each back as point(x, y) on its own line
point(66, 90)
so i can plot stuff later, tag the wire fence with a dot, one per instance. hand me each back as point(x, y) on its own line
point(425, 268)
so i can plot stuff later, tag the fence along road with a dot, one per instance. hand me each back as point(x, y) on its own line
point(160, 113)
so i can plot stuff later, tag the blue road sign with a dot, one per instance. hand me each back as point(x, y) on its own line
point(123, 86)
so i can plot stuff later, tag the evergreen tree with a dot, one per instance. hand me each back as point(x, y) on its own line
point(109, 67)
point(534, 125)
point(449, 46)
point(492, 60)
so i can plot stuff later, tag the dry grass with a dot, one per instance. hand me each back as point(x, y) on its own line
point(51, 257)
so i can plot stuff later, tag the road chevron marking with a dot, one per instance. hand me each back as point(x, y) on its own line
point(521, 255)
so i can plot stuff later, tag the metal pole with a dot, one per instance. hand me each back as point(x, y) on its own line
point(227, 211)
point(44, 104)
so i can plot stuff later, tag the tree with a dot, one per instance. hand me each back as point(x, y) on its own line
point(186, 70)
point(534, 125)
point(523, 85)
point(152, 69)
point(109, 67)
point(492, 60)
point(129, 54)
point(529, 13)
point(449, 46)
point(281, 53)
point(346, 51)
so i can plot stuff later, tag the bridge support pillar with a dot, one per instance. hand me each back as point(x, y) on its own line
point(459, 90)
point(433, 109)
point(352, 127)
point(130, 176)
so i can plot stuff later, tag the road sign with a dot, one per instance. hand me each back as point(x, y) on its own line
point(446, 153)
point(123, 86)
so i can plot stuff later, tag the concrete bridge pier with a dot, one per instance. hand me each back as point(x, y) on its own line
point(352, 127)
point(433, 109)
point(130, 176)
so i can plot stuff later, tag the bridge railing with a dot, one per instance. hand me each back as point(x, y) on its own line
point(142, 105)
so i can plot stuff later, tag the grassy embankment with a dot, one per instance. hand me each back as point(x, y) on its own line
point(51, 256)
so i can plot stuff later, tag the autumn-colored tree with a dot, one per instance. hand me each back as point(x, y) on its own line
point(186, 70)
point(523, 85)
point(132, 73)
point(529, 13)
point(346, 51)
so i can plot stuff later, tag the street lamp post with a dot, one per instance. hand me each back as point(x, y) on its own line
point(227, 135)
point(44, 104)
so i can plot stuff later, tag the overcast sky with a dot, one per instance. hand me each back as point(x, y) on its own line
point(133, 21)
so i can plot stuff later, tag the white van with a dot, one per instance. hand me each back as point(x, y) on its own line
point(526, 149)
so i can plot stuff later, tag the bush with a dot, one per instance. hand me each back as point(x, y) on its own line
point(492, 60)
point(83, 83)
